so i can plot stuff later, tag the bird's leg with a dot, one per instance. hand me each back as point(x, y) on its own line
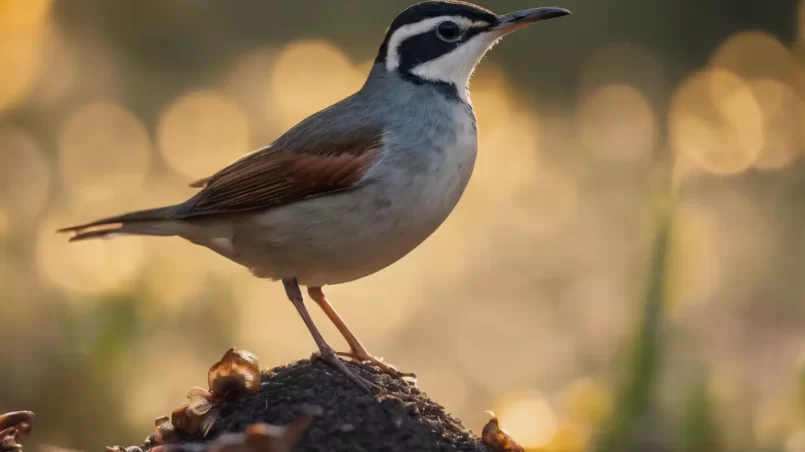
point(327, 353)
point(356, 350)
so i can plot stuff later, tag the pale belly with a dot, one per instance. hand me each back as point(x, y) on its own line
point(346, 236)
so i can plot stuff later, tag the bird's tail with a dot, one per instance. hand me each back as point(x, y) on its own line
point(145, 222)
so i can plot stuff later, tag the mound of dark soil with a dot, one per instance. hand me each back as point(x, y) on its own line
point(400, 418)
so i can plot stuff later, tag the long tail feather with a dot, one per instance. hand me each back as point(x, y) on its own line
point(144, 222)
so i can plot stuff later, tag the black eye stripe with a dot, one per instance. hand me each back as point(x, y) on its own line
point(429, 9)
point(428, 46)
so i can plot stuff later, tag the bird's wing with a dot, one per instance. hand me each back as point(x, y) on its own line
point(287, 171)
point(201, 183)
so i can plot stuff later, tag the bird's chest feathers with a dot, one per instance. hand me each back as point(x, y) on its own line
point(453, 166)
point(448, 161)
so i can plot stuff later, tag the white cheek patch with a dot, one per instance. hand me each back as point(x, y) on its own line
point(457, 66)
point(423, 26)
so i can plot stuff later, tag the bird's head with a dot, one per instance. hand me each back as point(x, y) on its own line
point(441, 42)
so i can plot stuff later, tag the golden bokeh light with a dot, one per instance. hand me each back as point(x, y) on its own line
point(21, 34)
point(567, 439)
point(25, 177)
point(618, 123)
point(528, 417)
point(716, 121)
point(734, 101)
point(783, 115)
point(309, 76)
point(755, 54)
point(201, 132)
point(93, 267)
point(30, 13)
point(104, 154)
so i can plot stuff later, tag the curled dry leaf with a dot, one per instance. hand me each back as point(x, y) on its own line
point(256, 438)
point(165, 433)
point(237, 374)
point(197, 415)
point(200, 401)
point(14, 426)
point(123, 449)
point(15, 418)
point(184, 421)
point(499, 440)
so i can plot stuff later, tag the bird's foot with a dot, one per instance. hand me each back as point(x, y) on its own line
point(330, 357)
point(363, 357)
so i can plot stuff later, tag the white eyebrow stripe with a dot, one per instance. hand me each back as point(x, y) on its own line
point(418, 28)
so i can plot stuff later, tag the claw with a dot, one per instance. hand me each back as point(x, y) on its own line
point(365, 358)
point(332, 359)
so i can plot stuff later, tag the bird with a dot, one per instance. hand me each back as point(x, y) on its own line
point(357, 186)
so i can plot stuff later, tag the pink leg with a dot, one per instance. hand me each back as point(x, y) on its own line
point(357, 351)
point(327, 353)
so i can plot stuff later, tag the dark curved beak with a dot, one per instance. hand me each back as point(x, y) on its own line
point(508, 23)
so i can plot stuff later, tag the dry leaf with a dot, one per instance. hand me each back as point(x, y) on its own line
point(185, 421)
point(123, 449)
point(14, 426)
point(165, 433)
point(196, 415)
point(498, 439)
point(200, 401)
point(15, 418)
point(256, 438)
point(237, 374)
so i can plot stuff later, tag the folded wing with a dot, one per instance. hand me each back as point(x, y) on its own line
point(277, 175)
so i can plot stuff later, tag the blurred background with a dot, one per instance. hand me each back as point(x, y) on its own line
point(625, 271)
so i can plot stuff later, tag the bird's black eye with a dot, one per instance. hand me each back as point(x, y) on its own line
point(449, 31)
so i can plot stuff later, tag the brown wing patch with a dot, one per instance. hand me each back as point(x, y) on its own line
point(275, 176)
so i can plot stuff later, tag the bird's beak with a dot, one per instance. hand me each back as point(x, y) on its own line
point(508, 23)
